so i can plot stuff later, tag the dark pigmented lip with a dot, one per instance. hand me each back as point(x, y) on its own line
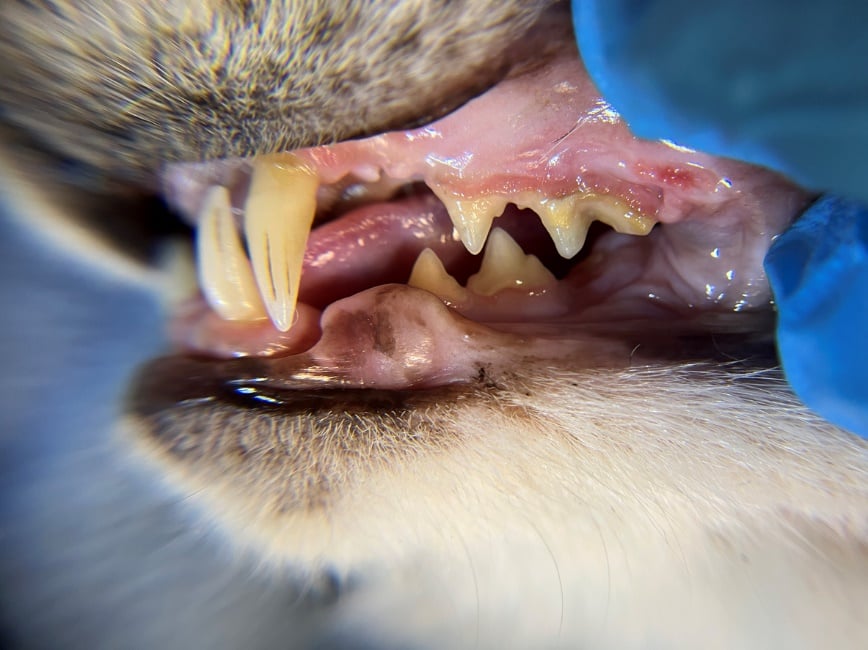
point(302, 384)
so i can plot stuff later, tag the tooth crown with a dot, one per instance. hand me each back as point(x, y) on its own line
point(566, 219)
point(506, 266)
point(430, 274)
point(278, 215)
point(472, 218)
point(224, 270)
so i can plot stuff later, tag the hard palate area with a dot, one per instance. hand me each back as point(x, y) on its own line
point(530, 219)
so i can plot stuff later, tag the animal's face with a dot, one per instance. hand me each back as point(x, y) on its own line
point(586, 446)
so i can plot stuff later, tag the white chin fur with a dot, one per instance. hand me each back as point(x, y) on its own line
point(671, 506)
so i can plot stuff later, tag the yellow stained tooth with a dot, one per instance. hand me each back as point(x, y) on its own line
point(224, 271)
point(277, 219)
point(619, 218)
point(506, 266)
point(430, 274)
point(565, 223)
point(472, 218)
point(568, 218)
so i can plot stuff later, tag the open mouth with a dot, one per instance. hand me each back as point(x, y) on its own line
point(528, 223)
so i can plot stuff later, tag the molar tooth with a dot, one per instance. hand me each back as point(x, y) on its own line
point(430, 274)
point(506, 266)
point(224, 271)
point(472, 217)
point(277, 221)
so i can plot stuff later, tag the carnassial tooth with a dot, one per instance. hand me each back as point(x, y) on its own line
point(568, 218)
point(224, 270)
point(506, 266)
point(472, 217)
point(277, 219)
point(430, 274)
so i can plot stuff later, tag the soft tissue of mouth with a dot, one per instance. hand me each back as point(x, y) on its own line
point(544, 142)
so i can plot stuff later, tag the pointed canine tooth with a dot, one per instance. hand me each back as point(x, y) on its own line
point(224, 270)
point(430, 274)
point(277, 219)
point(506, 266)
point(472, 217)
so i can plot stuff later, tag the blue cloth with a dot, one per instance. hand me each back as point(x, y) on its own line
point(780, 83)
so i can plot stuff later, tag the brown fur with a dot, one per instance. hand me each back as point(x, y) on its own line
point(126, 86)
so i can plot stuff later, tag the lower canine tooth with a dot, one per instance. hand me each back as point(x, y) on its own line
point(277, 219)
point(505, 266)
point(224, 271)
point(430, 274)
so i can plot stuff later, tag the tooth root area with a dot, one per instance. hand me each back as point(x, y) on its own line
point(225, 274)
point(472, 218)
point(506, 266)
point(277, 220)
point(430, 274)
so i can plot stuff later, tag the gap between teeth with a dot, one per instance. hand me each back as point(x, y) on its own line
point(279, 213)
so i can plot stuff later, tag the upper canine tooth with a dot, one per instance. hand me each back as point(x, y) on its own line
point(224, 271)
point(472, 217)
point(506, 266)
point(277, 220)
point(430, 274)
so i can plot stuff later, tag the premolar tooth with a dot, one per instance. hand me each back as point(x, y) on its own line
point(224, 271)
point(472, 217)
point(506, 266)
point(621, 219)
point(566, 225)
point(277, 219)
point(430, 274)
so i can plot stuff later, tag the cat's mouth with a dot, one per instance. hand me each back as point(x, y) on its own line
point(358, 264)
